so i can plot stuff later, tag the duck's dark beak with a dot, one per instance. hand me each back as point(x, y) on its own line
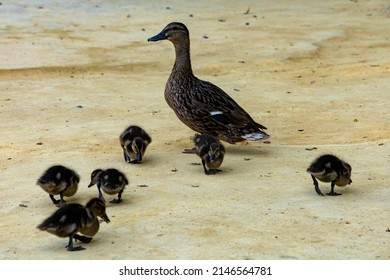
point(158, 37)
point(212, 157)
point(350, 181)
point(105, 218)
point(138, 157)
point(90, 184)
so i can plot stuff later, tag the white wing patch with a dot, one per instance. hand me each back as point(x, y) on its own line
point(255, 136)
point(213, 113)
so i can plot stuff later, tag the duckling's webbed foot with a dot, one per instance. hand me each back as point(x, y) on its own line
point(70, 247)
point(116, 200)
point(57, 202)
point(134, 161)
point(316, 187)
point(332, 192)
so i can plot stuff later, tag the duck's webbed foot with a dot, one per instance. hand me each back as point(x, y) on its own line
point(70, 247)
point(116, 200)
point(134, 161)
point(332, 192)
point(316, 187)
point(57, 202)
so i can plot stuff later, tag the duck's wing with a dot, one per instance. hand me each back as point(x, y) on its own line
point(65, 220)
point(219, 109)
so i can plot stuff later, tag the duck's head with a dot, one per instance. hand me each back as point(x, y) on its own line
point(347, 172)
point(173, 32)
point(345, 177)
point(138, 146)
point(97, 206)
point(95, 177)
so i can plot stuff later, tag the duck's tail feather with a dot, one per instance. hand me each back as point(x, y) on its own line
point(256, 136)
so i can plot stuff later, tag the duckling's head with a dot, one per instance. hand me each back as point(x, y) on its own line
point(95, 177)
point(98, 207)
point(347, 172)
point(214, 151)
point(138, 146)
point(175, 31)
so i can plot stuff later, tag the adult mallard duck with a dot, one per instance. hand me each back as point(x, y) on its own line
point(211, 151)
point(59, 180)
point(134, 141)
point(73, 218)
point(111, 181)
point(329, 168)
point(199, 104)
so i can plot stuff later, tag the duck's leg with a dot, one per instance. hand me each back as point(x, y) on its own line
point(207, 171)
point(119, 198)
point(55, 201)
point(316, 187)
point(332, 192)
point(100, 194)
point(125, 154)
point(82, 238)
point(70, 247)
point(62, 201)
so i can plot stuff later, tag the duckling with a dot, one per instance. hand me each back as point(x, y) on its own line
point(111, 181)
point(211, 151)
point(201, 105)
point(329, 168)
point(59, 180)
point(134, 141)
point(73, 218)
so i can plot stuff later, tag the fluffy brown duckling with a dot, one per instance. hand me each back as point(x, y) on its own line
point(134, 141)
point(74, 218)
point(329, 168)
point(211, 151)
point(111, 181)
point(59, 180)
point(201, 105)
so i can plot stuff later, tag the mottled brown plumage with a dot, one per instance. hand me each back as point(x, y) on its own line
point(199, 104)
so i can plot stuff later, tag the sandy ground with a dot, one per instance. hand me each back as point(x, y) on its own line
point(316, 73)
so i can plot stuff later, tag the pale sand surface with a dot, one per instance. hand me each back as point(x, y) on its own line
point(73, 76)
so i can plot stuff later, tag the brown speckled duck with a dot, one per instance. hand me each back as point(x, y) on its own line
point(329, 168)
point(59, 180)
point(73, 218)
point(111, 181)
point(199, 104)
point(211, 151)
point(134, 141)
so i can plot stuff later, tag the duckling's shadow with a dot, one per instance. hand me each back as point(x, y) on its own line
point(245, 150)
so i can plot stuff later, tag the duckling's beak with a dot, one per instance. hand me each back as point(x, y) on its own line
point(212, 157)
point(90, 184)
point(105, 218)
point(158, 37)
point(138, 156)
point(350, 181)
